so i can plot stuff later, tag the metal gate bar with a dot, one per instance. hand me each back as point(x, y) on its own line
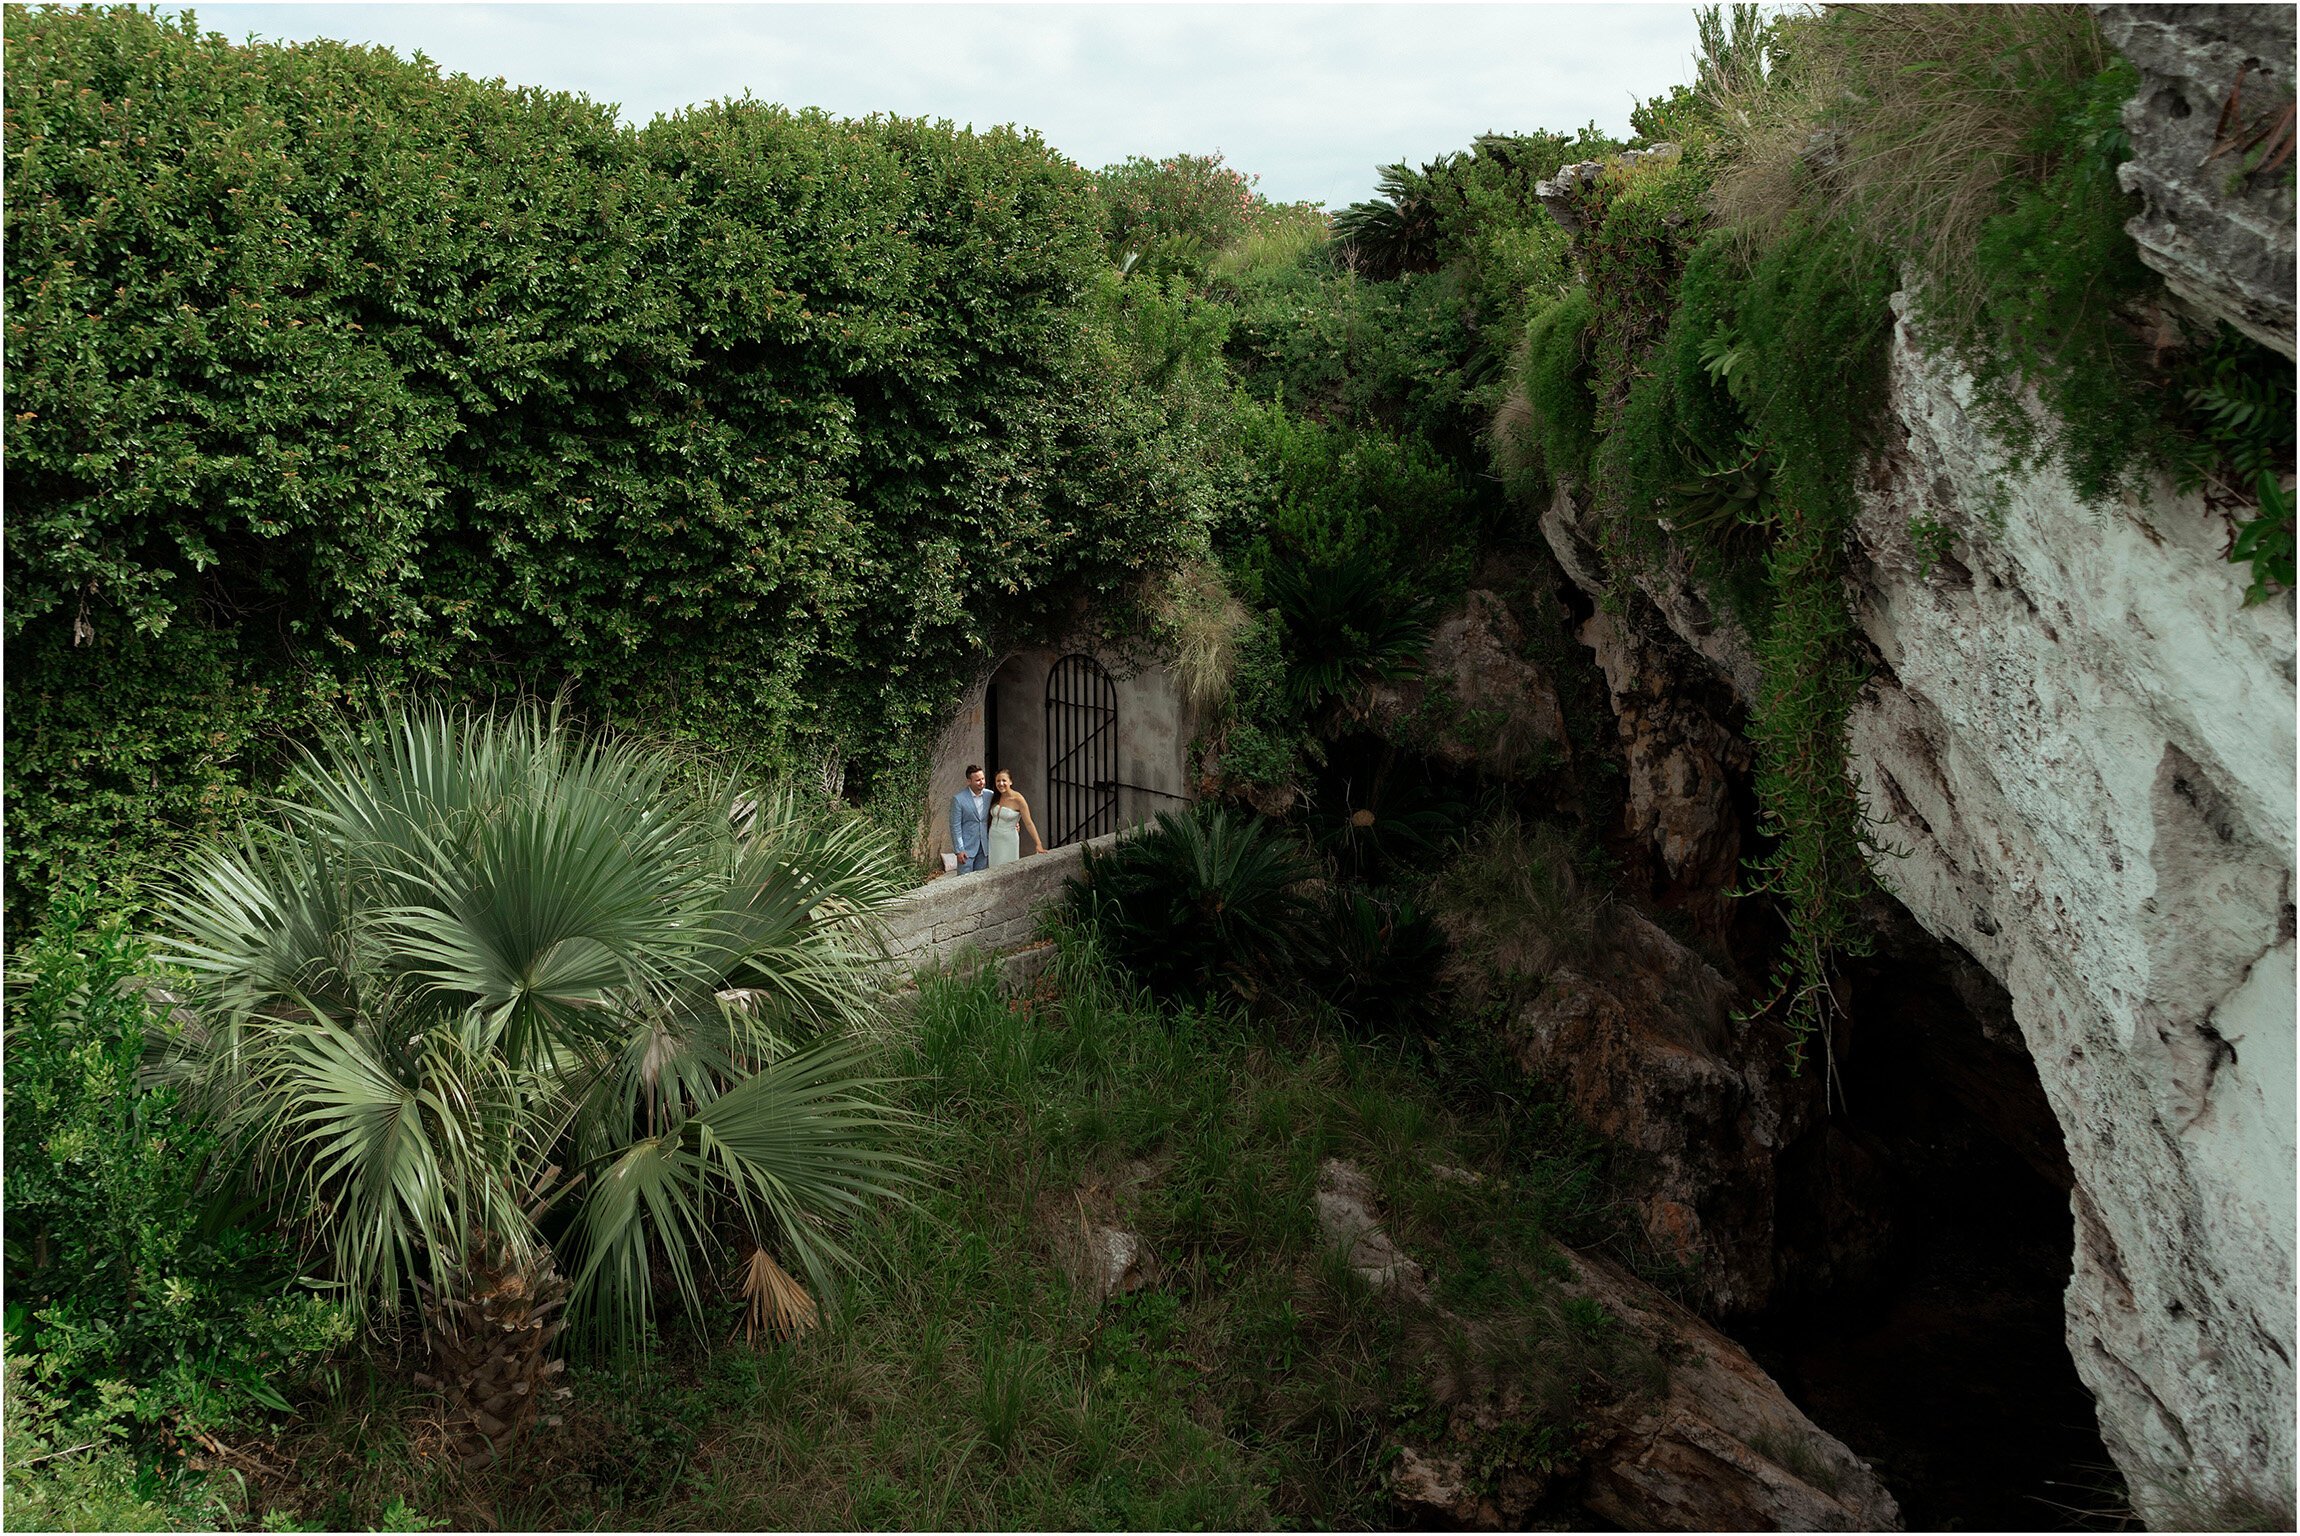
point(1081, 751)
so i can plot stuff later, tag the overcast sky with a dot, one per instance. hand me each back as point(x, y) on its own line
point(1311, 97)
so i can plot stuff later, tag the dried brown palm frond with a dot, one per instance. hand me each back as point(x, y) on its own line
point(775, 1304)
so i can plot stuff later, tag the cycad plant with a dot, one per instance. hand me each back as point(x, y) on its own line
point(494, 1008)
point(1380, 812)
point(1397, 232)
point(1350, 622)
point(1200, 903)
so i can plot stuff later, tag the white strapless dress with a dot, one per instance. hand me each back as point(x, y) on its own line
point(1005, 835)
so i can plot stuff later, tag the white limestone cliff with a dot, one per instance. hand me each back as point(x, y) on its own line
point(2084, 741)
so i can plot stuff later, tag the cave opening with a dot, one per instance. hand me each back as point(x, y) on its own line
point(1924, 1243)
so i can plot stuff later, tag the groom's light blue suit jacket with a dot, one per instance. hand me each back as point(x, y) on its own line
point(967, 829)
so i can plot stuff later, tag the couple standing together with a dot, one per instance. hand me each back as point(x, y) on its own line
point(987, 822)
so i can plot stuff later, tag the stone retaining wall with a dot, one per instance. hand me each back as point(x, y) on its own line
point(992, 909)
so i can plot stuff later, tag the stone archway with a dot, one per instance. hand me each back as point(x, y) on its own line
point(1001, 722)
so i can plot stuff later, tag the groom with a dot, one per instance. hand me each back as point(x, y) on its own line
point(969, 823)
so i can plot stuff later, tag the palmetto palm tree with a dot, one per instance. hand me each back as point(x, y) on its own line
point(502, 1012)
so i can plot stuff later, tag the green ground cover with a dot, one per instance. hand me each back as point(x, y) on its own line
point(968, 1379)
point(730, 399)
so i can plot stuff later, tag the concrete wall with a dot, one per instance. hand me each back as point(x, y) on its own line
point(1154, 729)
point(992, 909)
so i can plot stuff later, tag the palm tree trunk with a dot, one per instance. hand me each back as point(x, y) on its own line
point(490, 1347)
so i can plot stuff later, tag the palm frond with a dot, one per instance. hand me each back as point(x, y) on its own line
point(476, 950)
point(775, 1303)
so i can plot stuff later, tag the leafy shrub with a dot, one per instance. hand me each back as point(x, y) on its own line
point(1264, 741)
point(1192, 203)
point(136, 1294)
point(1326, 491)
point(1474, 209)
point(1378, 814)
point(58, 1481)
point(1378, 959)
point(333, 377)
point(1561, 409)
point(1200, 904)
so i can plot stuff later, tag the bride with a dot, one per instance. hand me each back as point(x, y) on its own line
point(1009, 819)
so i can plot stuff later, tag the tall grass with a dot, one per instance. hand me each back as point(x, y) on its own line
point(1909, 119)
point(1517, 909)
point(1203, 623)
point(972, 1377)
point(1280, 241)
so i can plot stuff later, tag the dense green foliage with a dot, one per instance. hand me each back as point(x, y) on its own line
point(57, 1481)
point(330, 376)
point(1172, 216)
point(1364, 435)
point(1473, 211)
point(492, 986)
point(972, 1376)
point(139, 1296)
point(1561, 404)
point(1732, 379)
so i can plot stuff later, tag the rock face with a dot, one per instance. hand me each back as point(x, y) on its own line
point(1722, 1449)
point(2085, 743)
point(1717, 1448)
point(1676, 675)
point(1499, 710)
point(1640, 1042)
point(2215, 102)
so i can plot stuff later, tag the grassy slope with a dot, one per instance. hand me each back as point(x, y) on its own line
point(969, 1382)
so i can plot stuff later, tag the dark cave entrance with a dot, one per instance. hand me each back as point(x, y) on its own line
point(1925, 1242)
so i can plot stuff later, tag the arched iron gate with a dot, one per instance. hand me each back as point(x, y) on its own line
point(1081, 751)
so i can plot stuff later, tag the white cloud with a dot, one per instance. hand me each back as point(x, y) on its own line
point(1312, 97)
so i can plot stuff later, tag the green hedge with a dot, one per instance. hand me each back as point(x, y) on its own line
point(138, 1296)
point(332, 376)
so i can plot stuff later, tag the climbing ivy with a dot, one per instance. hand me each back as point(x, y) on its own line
point(330, 375)
point(1737, 443)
